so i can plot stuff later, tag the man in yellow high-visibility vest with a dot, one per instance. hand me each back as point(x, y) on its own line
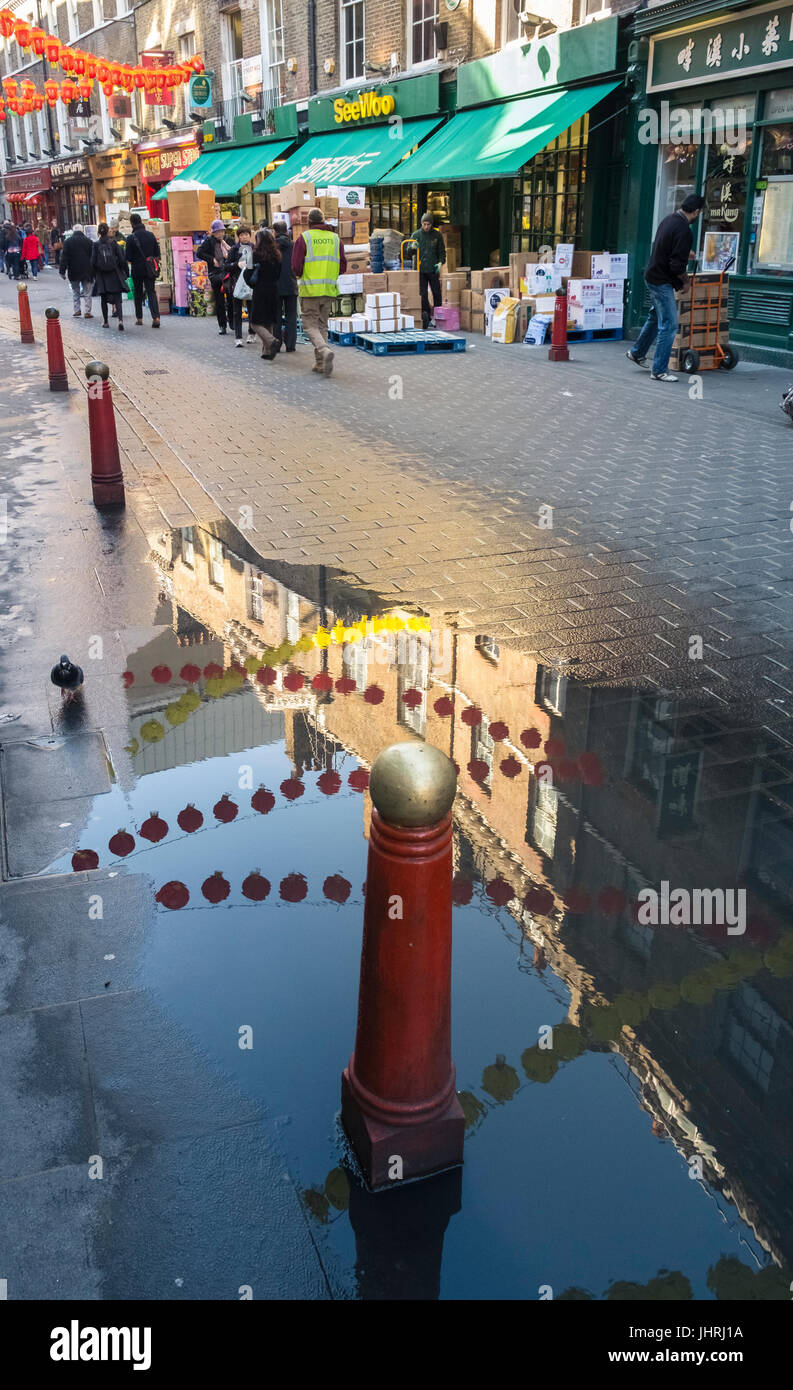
point(318, 260)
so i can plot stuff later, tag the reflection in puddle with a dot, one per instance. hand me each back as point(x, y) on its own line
point(625, 1079)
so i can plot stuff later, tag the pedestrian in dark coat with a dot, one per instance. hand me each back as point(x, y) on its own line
point(263, 279)
point(111, 272)
point(13, 252)
point(240, 258)
point(143, 251)
point(214, 249)
point(76, 266)
point(286, 317)
point(56, 244)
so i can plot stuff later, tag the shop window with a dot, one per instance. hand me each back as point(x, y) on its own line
point(774, 251)
point(422, 18)
point(549, 194)
point(215, 560)
point(274, 49)
point(188, 546)
point(510, 23)
point(677, 177)
point(186, 50)
point(751, 1030)
point(352, 39)
point(727, 172)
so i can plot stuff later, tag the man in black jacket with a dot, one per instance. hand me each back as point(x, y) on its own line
point(286, 320)
point(142, 252)
point(666, 273)
point(75, 265)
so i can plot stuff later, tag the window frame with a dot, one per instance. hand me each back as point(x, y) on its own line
point(413, 61)
point(347, 7)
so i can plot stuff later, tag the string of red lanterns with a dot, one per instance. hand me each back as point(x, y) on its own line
point(81, 69)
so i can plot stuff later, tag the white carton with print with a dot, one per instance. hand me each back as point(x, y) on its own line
point(613, 291)
point(584, 292)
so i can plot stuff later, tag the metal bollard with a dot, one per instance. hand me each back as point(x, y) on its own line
point(107, 480)
point(25, 321)
point(399, 1102)
point(558, 351)
point(55, 358)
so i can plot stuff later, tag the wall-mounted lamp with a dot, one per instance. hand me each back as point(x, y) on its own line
point(291, 64)
point(329, 65)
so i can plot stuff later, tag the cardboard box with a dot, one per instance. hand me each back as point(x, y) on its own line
point(522, 317)
point(191, 210)
point(346, 196)
point(619, 265)
point(350, 284)
point(587, 315)
point(544, 303)
point(477, 301)
point(477, 323)
point(563, 256)
point(346, 228)
point(465, 300)
point(496, 277)
point(600, 268)
point(581, 292)
point(451, 258)
point(375, 284)
point(612, 315)
point(293, 195)
point(582, 265)
point(613, 291)
point(405, 282)
point(396, 324)
point(329, 207)
point(358, 214)
point(465, 320)
point(542, 278)
point(455, 280)
point(447, 316)
point(360, 235)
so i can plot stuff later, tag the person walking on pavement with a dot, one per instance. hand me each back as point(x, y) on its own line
point(3, 243)
point(240, 258)
point(13, 252)
point(56, 244)
point(431, 257)
point(31, 251)
point(109, 265)
point(143, 253)
point(263, 280)
point(215, 252)
point(76, 267)
point(286, 317)
point(317, 261)
point(665, 273)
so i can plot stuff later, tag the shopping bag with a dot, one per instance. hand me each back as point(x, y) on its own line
point(242, 289)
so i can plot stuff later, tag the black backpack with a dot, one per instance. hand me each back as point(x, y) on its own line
point(105, 256)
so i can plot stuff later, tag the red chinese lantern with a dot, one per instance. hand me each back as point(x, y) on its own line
point(38, 40)
point(472, 716)
point(256, 887)
point(28, 88)
point(190, 819)
point(139, 77)
point(108, 89)
point(38, 101)
point(66, 59)
point(292, 788)
point(212, 671)
point(79, 63)
point(462, 890)
point(443, 706)
point(293, 888)
point(173, 895)
point(11, 86)
point(151, 80)
point(322, 681)
point(7, 22)
point(91, 66)
point(84, 88)
point(2, 112)
point(329, 783)
point(531, 738)
point(85, 859)
point(538, 900)
point(225, 809)
point(103, 72)
point(128, 676)
point(294, 681)
point(68, 93)
point(359, 779)
point(190, 673)
point(412, 698)
point(154, 829)
point(52, 49)
point(161, 675)
point(215, 888)
point(266, 675)
point(262, 801)
point(500, 892)
point(373, 695)
point(128, 80)
point(478, 769)
point(345, 685)
point(13, 105)
point(26, 106)
point(114, 74)
point(555, 748)
point(510, 766)
point(22, 33)
point(336, 888)
point(121, 844)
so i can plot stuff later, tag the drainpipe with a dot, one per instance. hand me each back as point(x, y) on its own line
point(312, 47)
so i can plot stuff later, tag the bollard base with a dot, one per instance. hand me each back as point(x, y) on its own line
point(423, 1149)
point(108, 492)
point(26, 337)
point(558, 354)
point(59, 381)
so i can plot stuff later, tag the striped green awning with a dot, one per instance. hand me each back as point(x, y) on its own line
point(362, 156)
point(496, 141)
point(227, 171)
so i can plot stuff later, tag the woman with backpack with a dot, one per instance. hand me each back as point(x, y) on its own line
point(109, 265)
point(263, 280)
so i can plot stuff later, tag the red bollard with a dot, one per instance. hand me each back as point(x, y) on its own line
point(558, 351)
point(107, 480)
point(399, 1102)
point(55, 358)
point(25, 321)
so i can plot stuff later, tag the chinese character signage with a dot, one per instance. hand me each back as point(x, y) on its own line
point(755, 41)
point(165, 163)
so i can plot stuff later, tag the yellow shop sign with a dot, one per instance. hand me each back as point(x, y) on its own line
point(365, 106)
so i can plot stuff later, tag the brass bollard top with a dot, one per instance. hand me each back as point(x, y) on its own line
point(413, 784)
point(52, 313)
point(23, 285)
point(97, 369)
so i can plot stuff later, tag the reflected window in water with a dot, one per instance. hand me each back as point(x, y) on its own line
point(482, 749)
point(292, 616)
point(355, 663)
point(751, 1023)
point(215, 557)
point(188, 547)
point(541, 822)
point(551, 689)
point(413, 674)
point(488, 647)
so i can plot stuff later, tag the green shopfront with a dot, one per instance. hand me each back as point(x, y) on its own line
point(517, 150)
point(233, 166)
point(717, 119)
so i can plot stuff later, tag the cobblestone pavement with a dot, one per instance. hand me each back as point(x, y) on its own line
point(425, 479)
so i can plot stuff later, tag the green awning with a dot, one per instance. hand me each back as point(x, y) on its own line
point(361, 156)
point(496, 141)
point(227, 171)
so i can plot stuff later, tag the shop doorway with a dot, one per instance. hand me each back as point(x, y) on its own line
point(485, 223)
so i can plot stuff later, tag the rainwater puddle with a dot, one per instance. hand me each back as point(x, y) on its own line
point(626, 1084)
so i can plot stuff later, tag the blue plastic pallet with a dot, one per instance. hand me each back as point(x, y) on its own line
point(343, 339)
point(412, 340)
point(596, 335)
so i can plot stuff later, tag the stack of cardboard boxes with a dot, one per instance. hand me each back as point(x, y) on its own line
point(382, 313)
